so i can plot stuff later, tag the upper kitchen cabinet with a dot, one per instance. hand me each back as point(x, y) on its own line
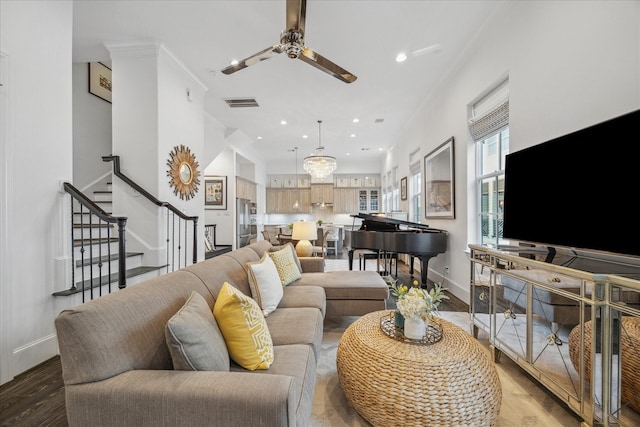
point(246, 189)
point(321, 193)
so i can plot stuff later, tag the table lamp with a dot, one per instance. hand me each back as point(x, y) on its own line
point(303, 231)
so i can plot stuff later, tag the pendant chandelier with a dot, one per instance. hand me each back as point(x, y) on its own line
point(320, 166)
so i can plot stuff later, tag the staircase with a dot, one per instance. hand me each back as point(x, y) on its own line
point(97, 271)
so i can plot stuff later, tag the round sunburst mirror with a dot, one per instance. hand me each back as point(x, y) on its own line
point(183, 172)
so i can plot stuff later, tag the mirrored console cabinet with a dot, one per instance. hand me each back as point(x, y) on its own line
point(572, 323)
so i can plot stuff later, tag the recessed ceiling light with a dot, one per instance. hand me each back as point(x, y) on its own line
point(305, 136)
point(259, 137)
point(401, 57)
point(380, 149)
point(356, 120)
point(353, 135)
point(348, 154)
point(283, 122)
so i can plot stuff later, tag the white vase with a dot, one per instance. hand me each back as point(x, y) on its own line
point(414, 328)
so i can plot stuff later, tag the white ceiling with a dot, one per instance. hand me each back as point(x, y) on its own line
point(363, 37)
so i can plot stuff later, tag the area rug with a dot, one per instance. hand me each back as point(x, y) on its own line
point(524, 402)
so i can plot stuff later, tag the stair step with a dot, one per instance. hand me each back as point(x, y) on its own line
point(87, 242)
point(104, 258)
point(102, 196)
point(106, 279)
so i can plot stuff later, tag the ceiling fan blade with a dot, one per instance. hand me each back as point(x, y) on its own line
point(296, 14)
point(254, 59)
point(322, 63)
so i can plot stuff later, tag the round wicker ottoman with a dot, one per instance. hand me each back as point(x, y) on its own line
point(390, 383)
point(630, 357)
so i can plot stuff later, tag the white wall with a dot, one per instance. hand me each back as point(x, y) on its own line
point(91, 131)
point(37, 153)
point(223, 165)
point(152, 114)
point(570, 64)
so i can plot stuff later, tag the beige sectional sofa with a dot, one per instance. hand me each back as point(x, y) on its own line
point(117, 366)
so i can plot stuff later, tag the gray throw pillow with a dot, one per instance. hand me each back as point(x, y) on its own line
point(194, 339)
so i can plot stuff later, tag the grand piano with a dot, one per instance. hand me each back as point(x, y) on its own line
point(383, 234)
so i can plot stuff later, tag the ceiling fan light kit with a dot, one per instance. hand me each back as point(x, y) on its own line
point(292, 42)
point(319, 165)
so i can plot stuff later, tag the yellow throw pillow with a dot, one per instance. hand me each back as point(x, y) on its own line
point(293, 253)
point(244, 329)
point(286, 266)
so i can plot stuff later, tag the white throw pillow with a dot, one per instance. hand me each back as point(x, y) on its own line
point(265, 284)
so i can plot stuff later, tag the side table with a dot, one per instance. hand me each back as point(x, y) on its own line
point(449, 383)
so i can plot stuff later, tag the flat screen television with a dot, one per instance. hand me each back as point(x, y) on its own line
point(578, 191)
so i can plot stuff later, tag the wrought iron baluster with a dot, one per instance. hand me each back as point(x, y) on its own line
point(82, 250)
point(179, 241)
point(100, 256)
point(90, 241)
point(73, 252)
point(109, 255)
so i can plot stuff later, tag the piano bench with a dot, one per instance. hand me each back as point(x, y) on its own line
point(391, 256)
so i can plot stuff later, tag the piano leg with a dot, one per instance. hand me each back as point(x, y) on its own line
point(424, 267)
point(350, 253)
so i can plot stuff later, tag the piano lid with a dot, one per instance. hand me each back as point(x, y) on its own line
point(383, 223)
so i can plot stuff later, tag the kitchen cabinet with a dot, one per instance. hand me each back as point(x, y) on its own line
point(369, 200)
point(345, 200)
point(321, 193)
point(246, 189)
point(281, 200)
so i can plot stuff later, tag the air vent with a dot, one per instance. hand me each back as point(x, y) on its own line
point(241, 102)
point(379, 120)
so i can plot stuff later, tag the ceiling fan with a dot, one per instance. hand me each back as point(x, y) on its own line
point(292, 42)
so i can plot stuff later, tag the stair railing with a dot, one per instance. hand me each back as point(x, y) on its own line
point(104, 222)
point(172, 229)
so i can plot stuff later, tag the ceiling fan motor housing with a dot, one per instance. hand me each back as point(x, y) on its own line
point(292, 42)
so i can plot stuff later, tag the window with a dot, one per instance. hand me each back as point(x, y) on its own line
point(489, 127)
point(490, 181)
point(415, 191)
point(395, 192)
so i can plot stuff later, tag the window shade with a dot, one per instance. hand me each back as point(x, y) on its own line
point(490, 113)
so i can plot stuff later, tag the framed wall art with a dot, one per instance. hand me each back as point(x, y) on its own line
point(100, 80)
point(403, 188)
point(439, 183)
point(215, 192)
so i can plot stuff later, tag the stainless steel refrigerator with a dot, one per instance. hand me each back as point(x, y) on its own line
point(246, 222)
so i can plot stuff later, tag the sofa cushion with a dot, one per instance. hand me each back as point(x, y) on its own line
point(293, 253)
point(244, 329)
point(304, 296)
point(286, 265)
point(194, 339)
point(299, 362)
point(302, 325)
point(359, 285)
point(265, 285)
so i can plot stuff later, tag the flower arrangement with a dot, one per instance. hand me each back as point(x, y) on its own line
point(416, 302)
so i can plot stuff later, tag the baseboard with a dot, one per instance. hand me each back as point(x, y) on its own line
point(31, 354)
